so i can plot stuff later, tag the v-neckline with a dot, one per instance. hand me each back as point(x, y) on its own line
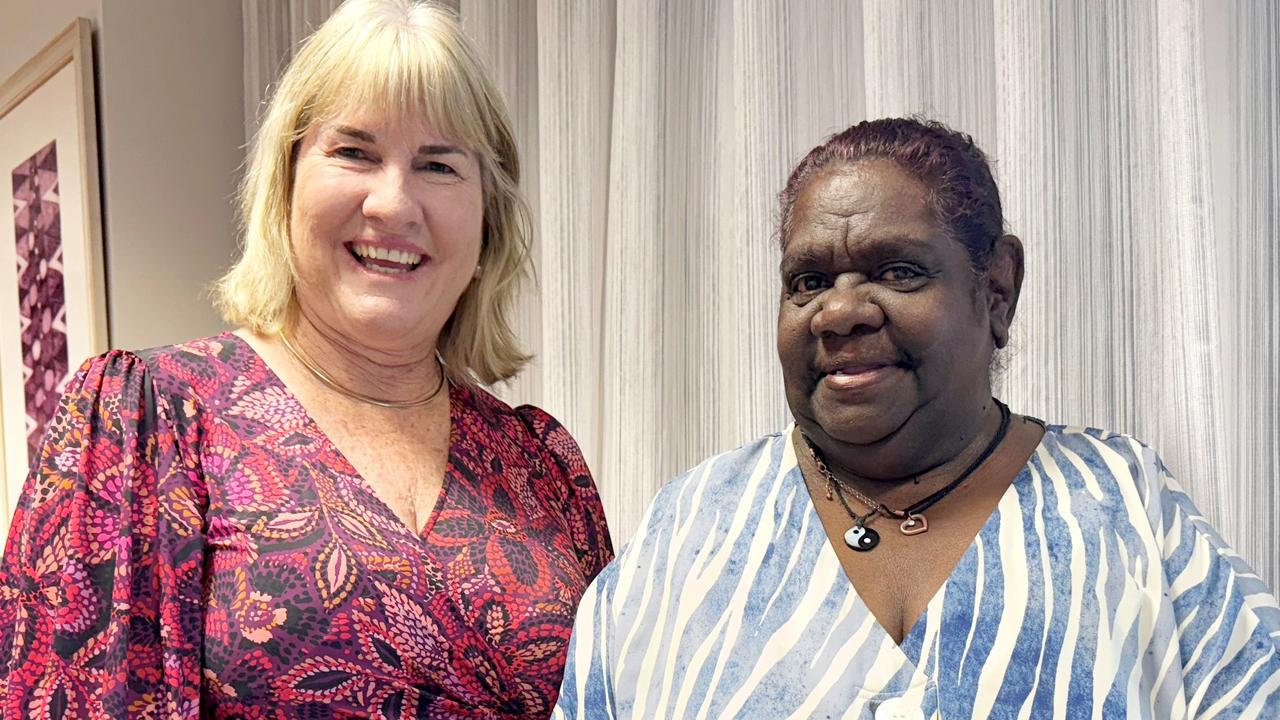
point(827, 555)
point(352, 474)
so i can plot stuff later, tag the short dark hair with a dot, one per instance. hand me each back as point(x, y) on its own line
point(963, 194)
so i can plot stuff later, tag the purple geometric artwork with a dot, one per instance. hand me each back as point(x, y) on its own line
point(42, 307)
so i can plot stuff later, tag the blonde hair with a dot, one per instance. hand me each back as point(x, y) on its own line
point(410, 59)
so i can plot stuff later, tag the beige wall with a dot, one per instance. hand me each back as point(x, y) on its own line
point(26, 26)
point(170, 131)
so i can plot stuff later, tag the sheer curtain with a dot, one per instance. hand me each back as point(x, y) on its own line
point(1135, 143)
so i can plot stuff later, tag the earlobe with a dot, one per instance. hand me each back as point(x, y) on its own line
point(1004, 285)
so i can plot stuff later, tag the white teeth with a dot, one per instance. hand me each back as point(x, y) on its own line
point(381, 253)
point(387, 270)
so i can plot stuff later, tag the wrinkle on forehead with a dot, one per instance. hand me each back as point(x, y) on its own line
point(852, 202)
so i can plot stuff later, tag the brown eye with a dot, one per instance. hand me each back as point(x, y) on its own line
point(900, 272)
point(903, 276)
point(807, 283)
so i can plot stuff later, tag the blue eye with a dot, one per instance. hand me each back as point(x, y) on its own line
point(351, 153)
point(439, 167)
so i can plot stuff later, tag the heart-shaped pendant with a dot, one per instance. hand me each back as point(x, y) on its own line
point(914, 525)
point(861, 538)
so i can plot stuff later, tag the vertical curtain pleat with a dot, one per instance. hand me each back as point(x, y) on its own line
point(1101, 145)
point(1243, 74)
point(575, 89)
point(272, 31)
point(934, 59)
point(502, 34)
point(1134, 141)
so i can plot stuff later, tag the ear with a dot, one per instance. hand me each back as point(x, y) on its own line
point(1004, 285)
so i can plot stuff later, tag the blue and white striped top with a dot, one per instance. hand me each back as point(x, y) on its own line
point(1095, 590)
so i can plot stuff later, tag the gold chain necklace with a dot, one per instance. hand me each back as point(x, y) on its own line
point(334, 385)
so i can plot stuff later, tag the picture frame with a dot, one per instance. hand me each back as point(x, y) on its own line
point(53, 311)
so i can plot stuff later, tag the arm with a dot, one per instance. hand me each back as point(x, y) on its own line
point(581, 504)
point(587, 689)
point(1228, 623)
point(101, 580)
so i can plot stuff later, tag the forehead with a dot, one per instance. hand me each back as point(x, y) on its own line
point(867, 200)
point(382, 126)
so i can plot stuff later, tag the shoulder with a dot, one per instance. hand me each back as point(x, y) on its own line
point(526, 429)
point(723, 480)
point(527, 424)
point(1118, 480)
point(711, 501)
point(1101, 460)
point(202, 366)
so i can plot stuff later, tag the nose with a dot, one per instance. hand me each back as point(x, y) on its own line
point(389, 201)
point(847, 308)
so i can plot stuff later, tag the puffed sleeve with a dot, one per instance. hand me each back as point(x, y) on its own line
point(581, 502)
point(1228, 622)
point(101, 580)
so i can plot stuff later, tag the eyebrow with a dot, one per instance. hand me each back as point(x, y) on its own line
point(802, 257)
point(812, 254)
point(909, 241)
point(368, 137)
point(355, 133)
point(440, 150)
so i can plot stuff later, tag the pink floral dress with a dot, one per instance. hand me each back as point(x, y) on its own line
point(189, 544)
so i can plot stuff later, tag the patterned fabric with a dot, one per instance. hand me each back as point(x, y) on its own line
point(190, 544)
point(1095, 590)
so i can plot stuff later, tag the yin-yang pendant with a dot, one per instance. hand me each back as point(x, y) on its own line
point(861, 538)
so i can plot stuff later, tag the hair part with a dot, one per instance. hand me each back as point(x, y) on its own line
point(410, 59)
point(962, 192)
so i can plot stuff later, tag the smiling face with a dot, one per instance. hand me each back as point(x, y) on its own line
point(884, 331)
point(386, 224)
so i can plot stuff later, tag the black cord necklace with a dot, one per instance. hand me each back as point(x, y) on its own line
point(862, 538)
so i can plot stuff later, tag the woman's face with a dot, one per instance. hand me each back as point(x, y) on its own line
point(882, 326)
point(386, 224)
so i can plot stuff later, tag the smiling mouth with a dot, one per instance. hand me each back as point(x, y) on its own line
point(385, 260)
point(856, 377)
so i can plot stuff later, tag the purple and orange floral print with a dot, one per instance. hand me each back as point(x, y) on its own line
point(189, 544)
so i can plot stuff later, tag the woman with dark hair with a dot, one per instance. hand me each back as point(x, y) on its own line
point(911, 547)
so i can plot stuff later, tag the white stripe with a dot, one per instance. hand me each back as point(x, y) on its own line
point(1066, 657)
point(1263, 693)
point(715, 570)
point(835, 671)
point(1011, 552)
point(1046, 582)
point(1194, 703)
point(1228, 698)
point(648, 664)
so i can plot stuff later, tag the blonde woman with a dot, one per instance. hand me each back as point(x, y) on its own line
point(321, 514)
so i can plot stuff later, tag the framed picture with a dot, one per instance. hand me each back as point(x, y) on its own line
point(53, 310)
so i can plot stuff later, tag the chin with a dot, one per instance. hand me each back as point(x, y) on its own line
point(385, 328)
point(860, 425)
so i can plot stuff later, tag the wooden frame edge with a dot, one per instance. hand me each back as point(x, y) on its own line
point(73, 46)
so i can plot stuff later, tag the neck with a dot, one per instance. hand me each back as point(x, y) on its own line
point(399, 374)
point(913, 461)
